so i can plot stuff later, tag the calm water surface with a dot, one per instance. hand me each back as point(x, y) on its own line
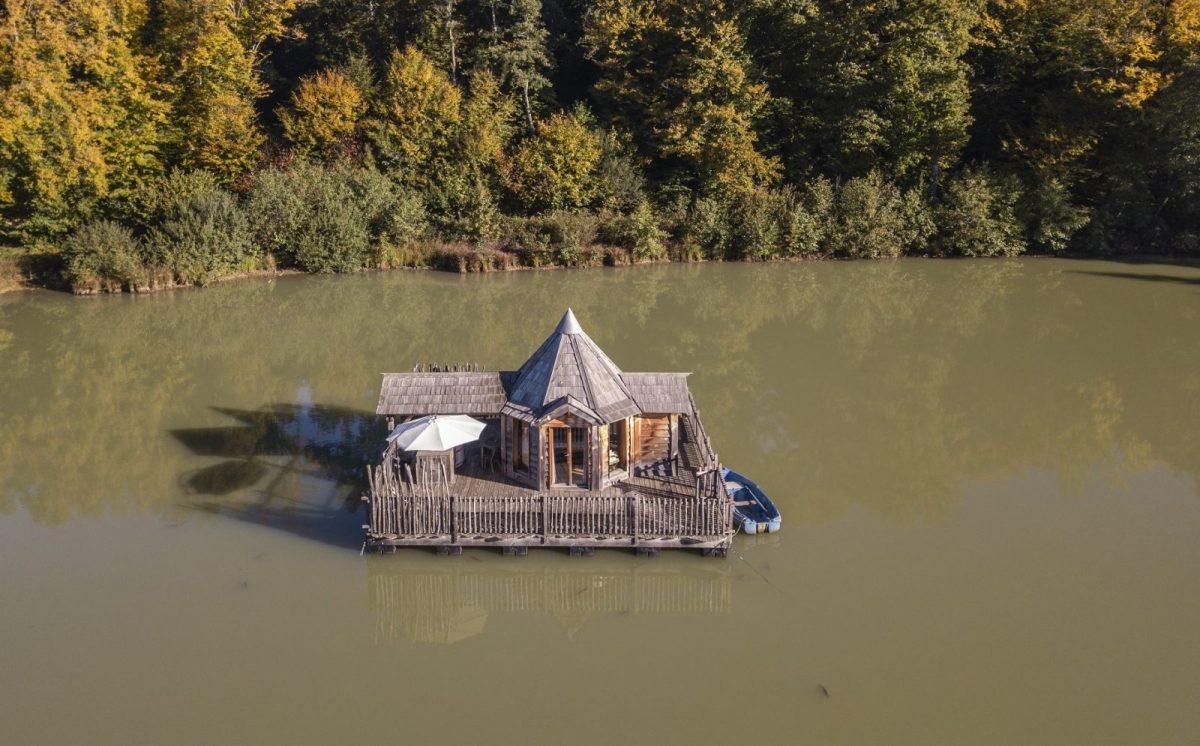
point(988, 474)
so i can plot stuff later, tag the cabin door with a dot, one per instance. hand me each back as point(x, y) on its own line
point(569, 448)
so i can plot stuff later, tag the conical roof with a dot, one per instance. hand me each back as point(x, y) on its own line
point(570, 369)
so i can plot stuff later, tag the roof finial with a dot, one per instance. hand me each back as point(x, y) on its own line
point(569, 324)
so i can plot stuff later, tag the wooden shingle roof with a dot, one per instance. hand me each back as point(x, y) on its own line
point(567, 371)
point(570, 364)
point(659, 393)
point(442, 393)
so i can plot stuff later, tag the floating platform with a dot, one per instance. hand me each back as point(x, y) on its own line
point(575, 453)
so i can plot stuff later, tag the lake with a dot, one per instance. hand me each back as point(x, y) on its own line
point(987, 471)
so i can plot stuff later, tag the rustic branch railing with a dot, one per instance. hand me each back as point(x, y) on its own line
point(446, 368)
point(414, 503)
point(706, 449)
point(406, 505)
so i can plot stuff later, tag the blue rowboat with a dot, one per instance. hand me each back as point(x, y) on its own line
point(753, 511)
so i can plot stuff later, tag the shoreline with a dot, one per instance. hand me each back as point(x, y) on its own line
point(10, 284)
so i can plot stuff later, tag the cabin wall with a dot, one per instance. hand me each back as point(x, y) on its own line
point(508, 452)
point(655, 439)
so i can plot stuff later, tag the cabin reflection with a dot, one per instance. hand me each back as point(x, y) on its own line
point(447, 604)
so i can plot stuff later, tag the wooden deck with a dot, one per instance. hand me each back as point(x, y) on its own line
point(661, 505)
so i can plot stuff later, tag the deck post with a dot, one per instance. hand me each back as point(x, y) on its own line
point(545, 522)
point(636, 502)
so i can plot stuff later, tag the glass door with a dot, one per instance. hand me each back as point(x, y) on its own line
point(579, 449)
point(561, 452)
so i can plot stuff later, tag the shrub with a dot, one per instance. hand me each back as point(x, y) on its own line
point(563, 237)
point(1053, 217)
point(155, 204)
point(875, 218)
point(101, 256)
point(639, 232)
point(805, 218)
point(976, 217)
point(331, 219)
point(756, 224)
point(622, 185)
point(708, 233)
point(475, 217)
point(202, 236)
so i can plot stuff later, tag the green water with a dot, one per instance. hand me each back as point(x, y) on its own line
point(987, 471)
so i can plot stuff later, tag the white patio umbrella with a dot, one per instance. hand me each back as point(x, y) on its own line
point(436, 432)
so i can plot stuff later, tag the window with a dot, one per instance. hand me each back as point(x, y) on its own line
point(520, 446)
point(618, 445)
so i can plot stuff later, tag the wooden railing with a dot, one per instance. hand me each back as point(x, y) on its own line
point(397, 509)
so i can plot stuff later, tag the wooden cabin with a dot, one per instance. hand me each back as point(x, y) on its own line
point(576, 453)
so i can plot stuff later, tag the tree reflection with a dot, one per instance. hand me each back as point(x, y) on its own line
point(889, 385)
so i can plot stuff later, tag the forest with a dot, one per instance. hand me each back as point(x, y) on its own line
point(154, 143)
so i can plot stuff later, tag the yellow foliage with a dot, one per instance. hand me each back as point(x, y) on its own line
point(1183, 25)
point(324, 114)
point(487, 122)
point(420, 109)
point(80, 118)
point(557, 168)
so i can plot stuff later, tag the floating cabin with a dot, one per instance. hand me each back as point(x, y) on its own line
point(575, 453)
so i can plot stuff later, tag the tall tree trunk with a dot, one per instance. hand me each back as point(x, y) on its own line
point(450, 34)
point(528, 108)
point(492, 53)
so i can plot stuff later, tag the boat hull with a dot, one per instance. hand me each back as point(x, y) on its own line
point(756, 514)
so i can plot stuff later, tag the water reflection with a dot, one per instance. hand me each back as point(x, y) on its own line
point(888, 385)
point(292, 467)
point(451, 601)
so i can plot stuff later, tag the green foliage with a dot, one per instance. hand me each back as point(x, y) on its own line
point(622, 184)
point(562, 237)
point(806, 218)
point(727, 123)
point(557, 169)
point(102, 255)
point(638, 231)
point(677, 75)
point(331, 219)
point(156, 203)
point(1052, 215)
point(517, 49)
point(202, 236)
point(708, 233)
point(976, 217)
point(876, 219)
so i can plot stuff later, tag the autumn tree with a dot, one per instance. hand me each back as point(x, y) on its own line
point(324, 115)
point(1062, 95)
point(81, 119)
point(558, 167)
point(416, 117)
point(676, 74)
point(215, 46)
